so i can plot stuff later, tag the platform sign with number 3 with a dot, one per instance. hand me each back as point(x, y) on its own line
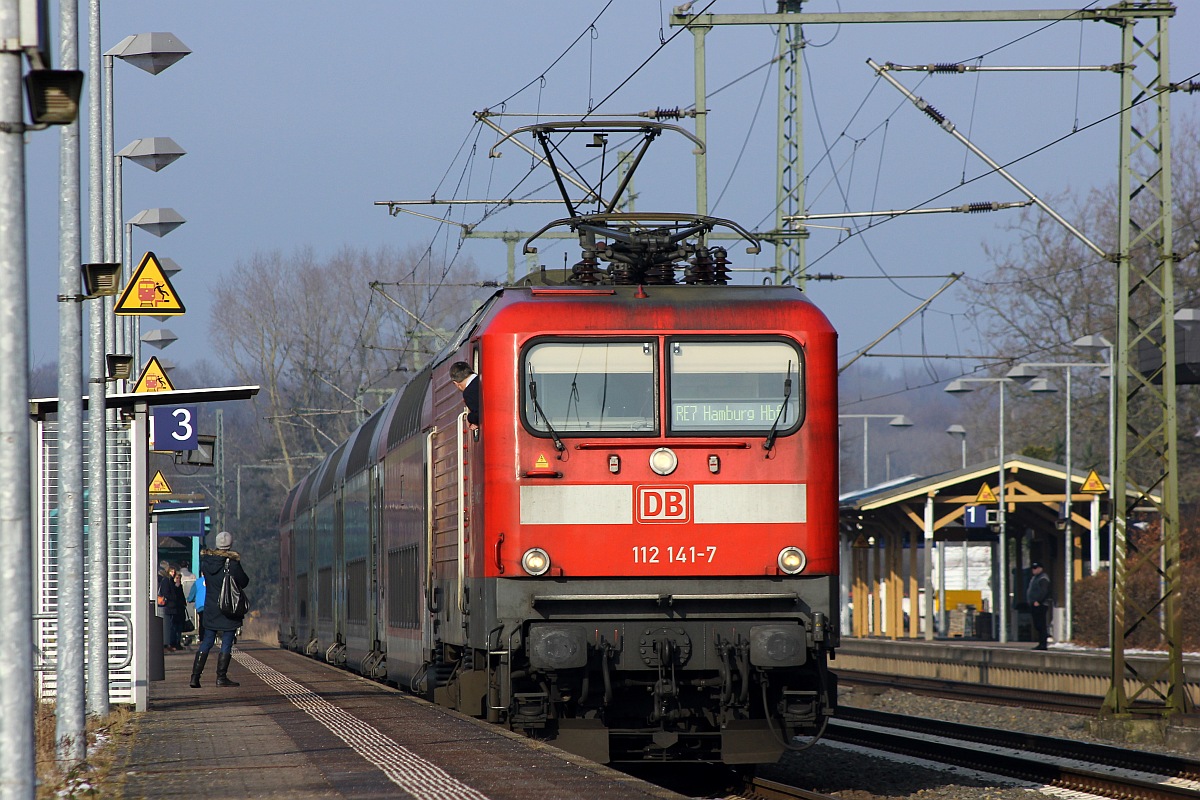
point(173, 428)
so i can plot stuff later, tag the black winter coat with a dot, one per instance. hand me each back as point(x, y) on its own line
point(176, 602)
point(212, 564)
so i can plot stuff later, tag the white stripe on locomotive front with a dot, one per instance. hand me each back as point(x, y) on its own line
point(608, 504)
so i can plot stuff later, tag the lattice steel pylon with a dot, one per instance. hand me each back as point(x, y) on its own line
point(1145, 426)
point(789, 189)
point(1145, 432)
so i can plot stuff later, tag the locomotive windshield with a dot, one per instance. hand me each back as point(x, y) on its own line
point(734, 386)
point(714, 387)
point(593, 387)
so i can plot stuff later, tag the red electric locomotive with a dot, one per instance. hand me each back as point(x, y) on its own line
point(637, 557)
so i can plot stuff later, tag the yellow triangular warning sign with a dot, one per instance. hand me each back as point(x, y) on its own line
point(1093, 485)
point(159, 485)
point(149, 292)
point(986, 495)
point(541, 462)
point(153, 379)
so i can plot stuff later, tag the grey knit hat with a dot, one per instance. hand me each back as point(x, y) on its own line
point(224, 540)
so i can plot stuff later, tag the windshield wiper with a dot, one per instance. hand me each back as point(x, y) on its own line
point(787, 394)
point(558, 445)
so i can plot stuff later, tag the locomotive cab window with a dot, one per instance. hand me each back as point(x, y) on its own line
point(589, 387)
point(734, 386)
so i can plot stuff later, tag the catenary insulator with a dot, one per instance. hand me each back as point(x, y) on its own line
point(933, 113)
point(946, 67)
point(585, 271)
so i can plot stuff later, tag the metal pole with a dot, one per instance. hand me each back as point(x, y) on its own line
point(698, 33)
point(70, 722)
point(1068, 528)
point(964, 451)
point(929, 548)
point(865, 483)
point(1002, 606)
point(219, 458)
point(16, 601)
point(97, 505)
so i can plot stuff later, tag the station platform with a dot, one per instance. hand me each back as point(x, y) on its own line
point(299, 728)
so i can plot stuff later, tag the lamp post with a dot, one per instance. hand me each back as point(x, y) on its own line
point(1095, 345)
point(961, 432)
point(897, 421)
point(1039, 385)
point(1027, 372)
point(959, 386)
point(152, 52)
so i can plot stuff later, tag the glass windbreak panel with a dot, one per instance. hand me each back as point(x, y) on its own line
point(590, 387)
point(734, 386)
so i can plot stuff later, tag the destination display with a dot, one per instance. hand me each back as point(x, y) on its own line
point(754, 415)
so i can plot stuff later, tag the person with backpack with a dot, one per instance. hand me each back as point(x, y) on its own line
point(224, 606)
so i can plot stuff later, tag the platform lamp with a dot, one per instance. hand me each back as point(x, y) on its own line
point(959, 386)
point(897, 421)
point(152, 52)
point(960, 432)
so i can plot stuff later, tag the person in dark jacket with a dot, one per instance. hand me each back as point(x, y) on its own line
point(212, 567)
point(467, 382)
point(174, 608)
point(1040, 602)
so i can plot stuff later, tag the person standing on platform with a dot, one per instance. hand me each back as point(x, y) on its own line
point(212, 565)
point(1038, 595)
point(170, 600)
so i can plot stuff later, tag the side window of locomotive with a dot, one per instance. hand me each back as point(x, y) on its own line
point(590, 387)
point(735, 386)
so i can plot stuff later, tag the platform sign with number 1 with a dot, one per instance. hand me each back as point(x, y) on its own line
point(975, 517)
point(173, 428)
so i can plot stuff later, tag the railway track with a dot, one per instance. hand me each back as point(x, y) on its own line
point(975, 693)
point(772, 790)
point(1101, 754)
point(1096, 769)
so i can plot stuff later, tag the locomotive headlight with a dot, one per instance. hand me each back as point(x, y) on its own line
point(792, 560)
point(664, 461)
point(535, 561)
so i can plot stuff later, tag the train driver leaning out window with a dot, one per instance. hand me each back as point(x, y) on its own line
point(463, 377)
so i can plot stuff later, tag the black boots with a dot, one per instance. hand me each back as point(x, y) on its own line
point(223, 669)
point(198, 669)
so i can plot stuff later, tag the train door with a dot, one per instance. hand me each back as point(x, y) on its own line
point(447, 527)
point(336, 653)
point(375, 631)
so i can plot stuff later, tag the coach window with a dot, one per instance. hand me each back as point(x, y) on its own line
point(734, 386)
point(588, 387)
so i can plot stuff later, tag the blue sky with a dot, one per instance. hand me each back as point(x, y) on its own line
point(297, 117)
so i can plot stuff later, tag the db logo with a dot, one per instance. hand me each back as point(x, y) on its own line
point(663, 504)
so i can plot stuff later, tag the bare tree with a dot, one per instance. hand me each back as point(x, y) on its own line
point(321, 339)
point(1046, 290)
